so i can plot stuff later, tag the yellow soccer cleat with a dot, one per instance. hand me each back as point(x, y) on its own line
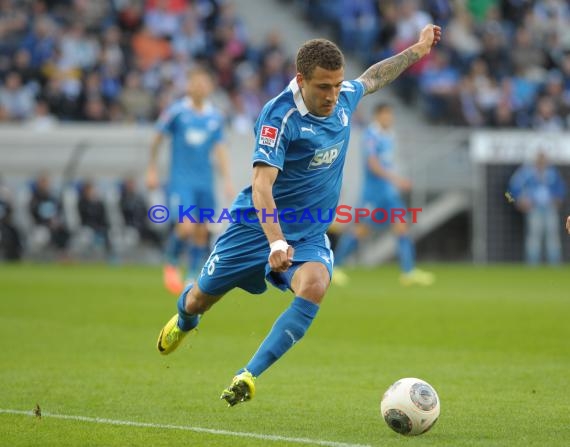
point(170, 336)
point(417, 277)
point(242, 389)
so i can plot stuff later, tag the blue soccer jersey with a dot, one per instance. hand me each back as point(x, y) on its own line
point(380, 144)
point(309, 152)
point(194, 135)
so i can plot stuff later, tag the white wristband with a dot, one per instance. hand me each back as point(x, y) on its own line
point(278, 245)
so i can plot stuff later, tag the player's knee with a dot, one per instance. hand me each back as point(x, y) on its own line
point(313, 289)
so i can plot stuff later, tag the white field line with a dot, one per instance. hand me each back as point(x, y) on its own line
point(211, 431)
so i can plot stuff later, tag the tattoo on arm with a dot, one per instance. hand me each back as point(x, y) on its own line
point(384, 72)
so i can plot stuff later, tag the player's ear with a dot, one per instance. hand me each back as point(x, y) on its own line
point(300, 79)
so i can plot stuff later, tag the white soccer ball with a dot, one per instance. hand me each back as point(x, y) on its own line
point(410, 406)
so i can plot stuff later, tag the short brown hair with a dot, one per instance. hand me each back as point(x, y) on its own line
point(318, 53)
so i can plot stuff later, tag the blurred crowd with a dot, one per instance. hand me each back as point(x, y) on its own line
point(78, 220)
point(125, 60)
point(501, 63)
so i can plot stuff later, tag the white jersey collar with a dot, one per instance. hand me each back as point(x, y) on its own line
point(298, 97)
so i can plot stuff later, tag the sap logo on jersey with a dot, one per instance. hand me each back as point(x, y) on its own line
point(268, 136)
point(195, 137)
point(324, 158)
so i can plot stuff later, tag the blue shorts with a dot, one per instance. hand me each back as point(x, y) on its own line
point(187, 196)
point(239, 259)
point(387, 200)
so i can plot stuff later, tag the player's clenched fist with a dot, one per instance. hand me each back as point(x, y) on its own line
point(430, 35)
point(568, 224)
point(281, 256)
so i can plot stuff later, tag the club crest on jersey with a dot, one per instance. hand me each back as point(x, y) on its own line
point(324, 158)
point(268, 136)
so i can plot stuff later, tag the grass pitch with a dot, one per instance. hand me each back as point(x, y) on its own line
point(80, 341)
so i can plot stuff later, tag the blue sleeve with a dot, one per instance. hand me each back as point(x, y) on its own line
point(517, 182)
point(353, 91)
point(166, 120)
point(272, 136)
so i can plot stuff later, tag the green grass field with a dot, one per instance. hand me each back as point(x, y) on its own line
point(80, 341)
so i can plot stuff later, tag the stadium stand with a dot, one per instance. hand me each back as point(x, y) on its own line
point(66, 65)
point(501, 64)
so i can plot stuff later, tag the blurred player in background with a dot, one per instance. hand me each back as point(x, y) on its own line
point(301, 139)
point(568, 224)
point(538, 191)
point(381, 189)
point(195, 127)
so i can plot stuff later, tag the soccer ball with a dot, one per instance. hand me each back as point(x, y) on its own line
point(410, 406)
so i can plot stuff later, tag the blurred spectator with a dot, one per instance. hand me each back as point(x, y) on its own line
point(112, 53)
point(357, 25)
point(21, 63)
point(137, 103)
point(439, 84)
point(461, 36)
point(41, 41)
point(440, 10)
point(411, 21)
point(538, 190)
point(78, 49)
point(94, 109)
point(16, 100)
point(526, 54)
point(480, 8)
point(546, 117)
point(93, 215)
point(134, 211)
point(191, 40)
point(42, 119)
point(47, 212)
point(161, 19)
point(130, 15)
point(149, 49)
point(470, 114)
point(10, 241)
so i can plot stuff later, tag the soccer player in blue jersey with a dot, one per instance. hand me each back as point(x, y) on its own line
point(301, 138)
point(382, 188)
point(196, 131)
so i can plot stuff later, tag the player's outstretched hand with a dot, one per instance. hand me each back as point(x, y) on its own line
point(568, 224)
point(430, 35)
point(280, 261)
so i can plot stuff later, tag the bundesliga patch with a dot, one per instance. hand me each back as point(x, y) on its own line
point(268, 136)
